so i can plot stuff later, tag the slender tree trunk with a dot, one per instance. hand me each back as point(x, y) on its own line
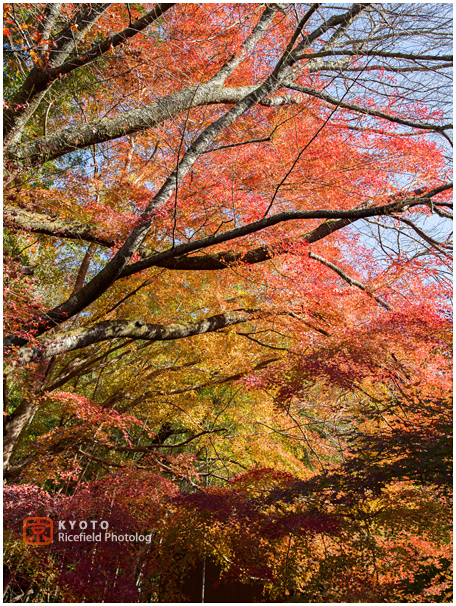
point(24, 413)
point(80, 279)
point(14, 426)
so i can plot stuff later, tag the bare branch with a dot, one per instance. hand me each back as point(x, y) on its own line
point(340, 272)
point(377, 53)
point(363, 110)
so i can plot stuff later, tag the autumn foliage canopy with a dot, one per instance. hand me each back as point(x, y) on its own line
point(227, 290)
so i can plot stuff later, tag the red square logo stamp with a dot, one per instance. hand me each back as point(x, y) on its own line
point(38, 531)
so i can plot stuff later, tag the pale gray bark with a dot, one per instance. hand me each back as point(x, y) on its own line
point(15, 422)
point(54, 146)
point(117, 329)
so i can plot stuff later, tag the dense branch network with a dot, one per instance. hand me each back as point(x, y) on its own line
point(354, 44)
point(110, 273)
point(175, 257)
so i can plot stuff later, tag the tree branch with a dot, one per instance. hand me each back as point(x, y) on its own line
point(37, 82)
point(54, 146)
point(374, 53)
point(41, 79)
point(350, 215)
point(80, 278)
point(116, 329)
point(50, 147)
point(150, 447)
point(18, 218)
point(437, 245)
point(99, 49)
point(340, 272)
point(175, 259)
point(111, 272)
point(363, 110)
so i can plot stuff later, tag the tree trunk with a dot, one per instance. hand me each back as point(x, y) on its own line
point(14, 426)
point(16, 422)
